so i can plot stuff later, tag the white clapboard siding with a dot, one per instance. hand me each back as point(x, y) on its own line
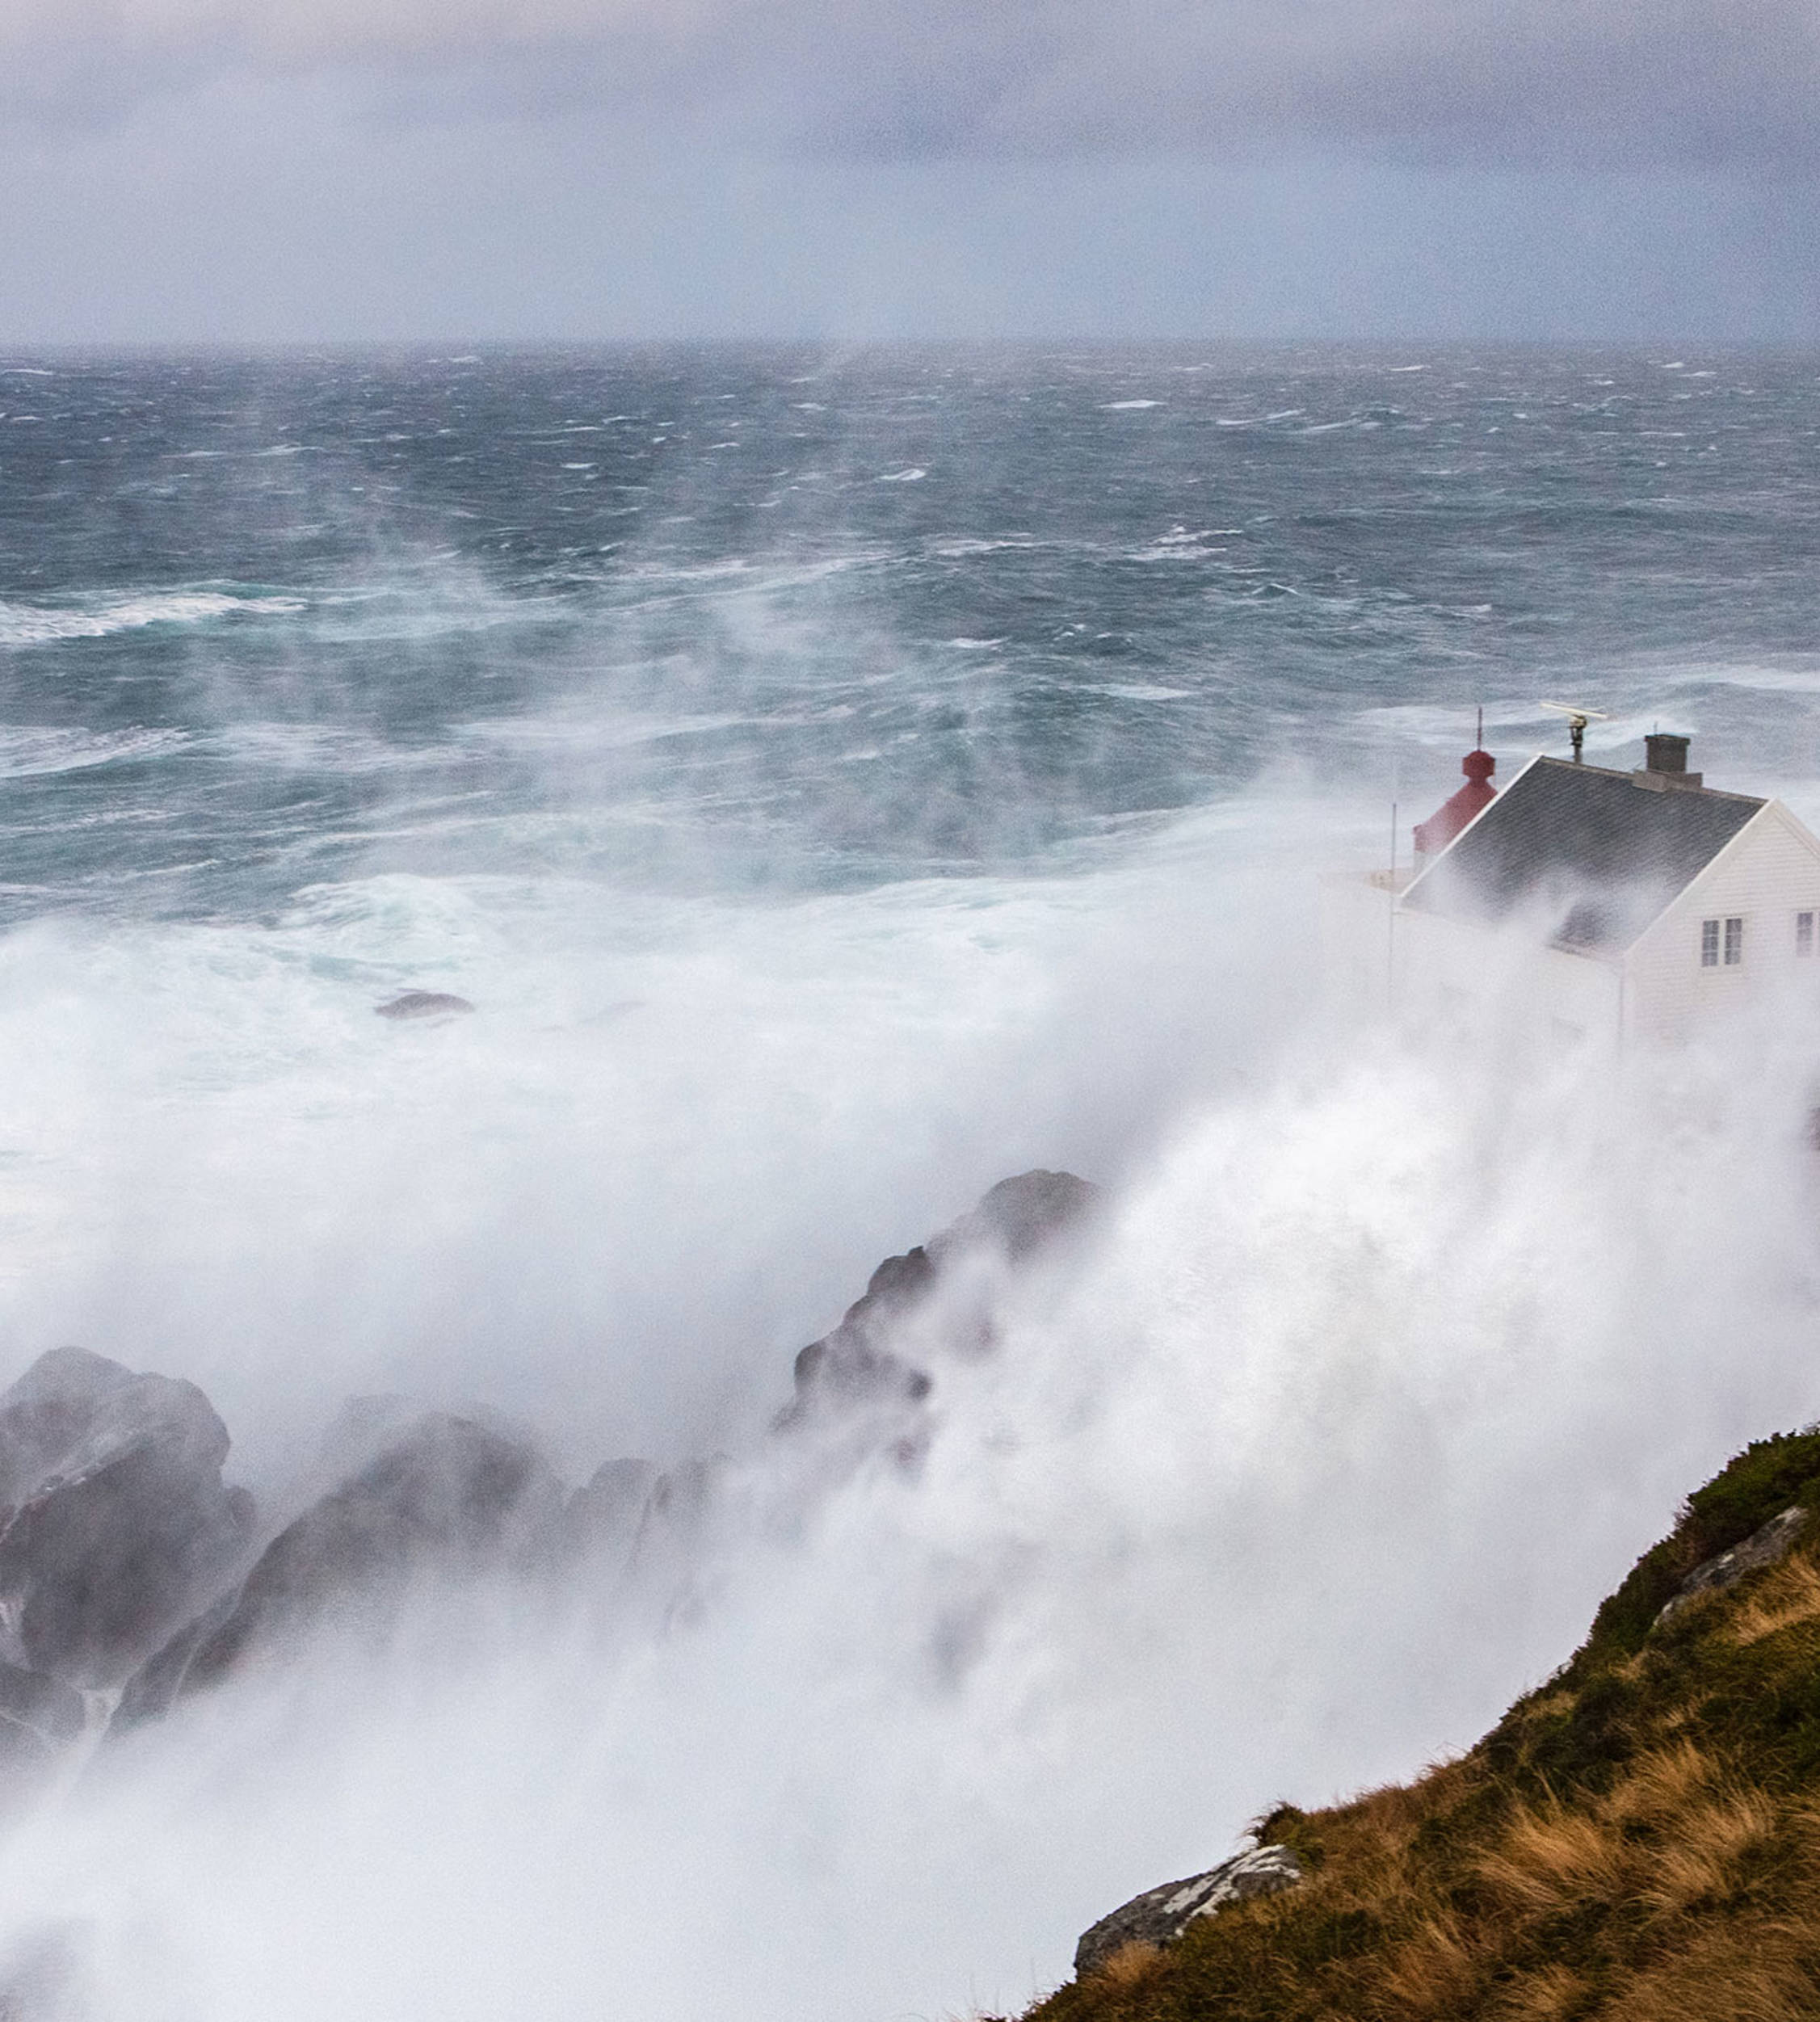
point(1769, 871)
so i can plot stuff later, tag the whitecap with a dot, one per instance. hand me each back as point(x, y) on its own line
point(959, 550)
point(24, 625)
point(305, 747)
point(914, 476)
point(1126, 407)
point(32, 751)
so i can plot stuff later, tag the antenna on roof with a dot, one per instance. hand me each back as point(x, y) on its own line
point(1578, 719)
point(1478, 735)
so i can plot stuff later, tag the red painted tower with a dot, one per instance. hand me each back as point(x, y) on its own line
point(1453, 815)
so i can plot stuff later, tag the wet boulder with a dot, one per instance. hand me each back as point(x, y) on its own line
point(114, 1518)
point(445, 1498)
point(424, 1003)
point(40, 1718)
point(858, 1365)
point(1159, 1916)
point(604, 1517)
point(1020, 1216)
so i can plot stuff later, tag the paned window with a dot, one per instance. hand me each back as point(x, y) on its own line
point(1709, 943)
point(1734, 942)
point(1804, 935)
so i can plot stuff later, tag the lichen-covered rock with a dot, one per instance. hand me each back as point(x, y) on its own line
point(114, 1518)
point(446, 1498)
point(1762, 1547)
point(1159, 1916)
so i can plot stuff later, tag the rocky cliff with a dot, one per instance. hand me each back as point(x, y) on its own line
point(1638, 1841)
point(133, 1577)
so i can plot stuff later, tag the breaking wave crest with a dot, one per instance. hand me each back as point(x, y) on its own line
point(30, 624)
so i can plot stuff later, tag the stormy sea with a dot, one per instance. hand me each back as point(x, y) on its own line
point(796, 792)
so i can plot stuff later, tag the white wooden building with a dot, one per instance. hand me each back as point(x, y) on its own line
point(1597, 902)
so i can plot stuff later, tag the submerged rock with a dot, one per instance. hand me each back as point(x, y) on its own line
point(114, 1518)
point(1762, 1547)
point(446, 1497)
point(424, 1003)
point(853, 1365)
point(1159, 1916)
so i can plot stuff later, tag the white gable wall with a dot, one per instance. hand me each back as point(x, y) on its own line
point(1767, 872)
point(1449, 973)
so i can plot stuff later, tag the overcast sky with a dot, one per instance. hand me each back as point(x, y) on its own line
point(390, 169)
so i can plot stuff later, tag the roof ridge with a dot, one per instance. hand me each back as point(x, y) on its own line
point(1632, 774)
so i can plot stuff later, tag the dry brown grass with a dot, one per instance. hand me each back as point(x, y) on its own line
point(1638, 1843)
point(1131, 1965)
point(1553, 1993)
point(1435, 1971)
point(1661, 1785)
point(1673, 1833)
point(1549, 1857)
point(1788, 1595)
point(1699, 1860)
point(1764, 1975)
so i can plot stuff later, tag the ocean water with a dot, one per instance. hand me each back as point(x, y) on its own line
point(839, 782)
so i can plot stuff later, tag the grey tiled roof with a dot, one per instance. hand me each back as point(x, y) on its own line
point(1596, 853)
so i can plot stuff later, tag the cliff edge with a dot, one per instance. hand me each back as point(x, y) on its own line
point(1638, 1841)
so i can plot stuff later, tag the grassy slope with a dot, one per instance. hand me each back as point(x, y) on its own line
point(1638, 1839)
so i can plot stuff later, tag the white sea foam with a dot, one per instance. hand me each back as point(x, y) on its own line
point(30, 751)
point(28, 624)
point(913, 475)
point(1353, 1364)
point(1127, 407)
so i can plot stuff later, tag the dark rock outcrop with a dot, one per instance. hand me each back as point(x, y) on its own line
point(604, 1516)
point(853, 1365)
point(424, 1003)
point(446, 1498)
point(42, 1975)
point(39, 1716)
point(1762, 1547)
point(114, 1518)
point(1159, 1916)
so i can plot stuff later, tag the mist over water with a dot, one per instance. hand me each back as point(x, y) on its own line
point(820, 843)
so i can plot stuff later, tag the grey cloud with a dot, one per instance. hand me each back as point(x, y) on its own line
point(1704, 83)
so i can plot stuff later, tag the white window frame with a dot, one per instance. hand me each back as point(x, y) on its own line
point(1804, 935)
point(1709, 943)
point(1735, 941)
